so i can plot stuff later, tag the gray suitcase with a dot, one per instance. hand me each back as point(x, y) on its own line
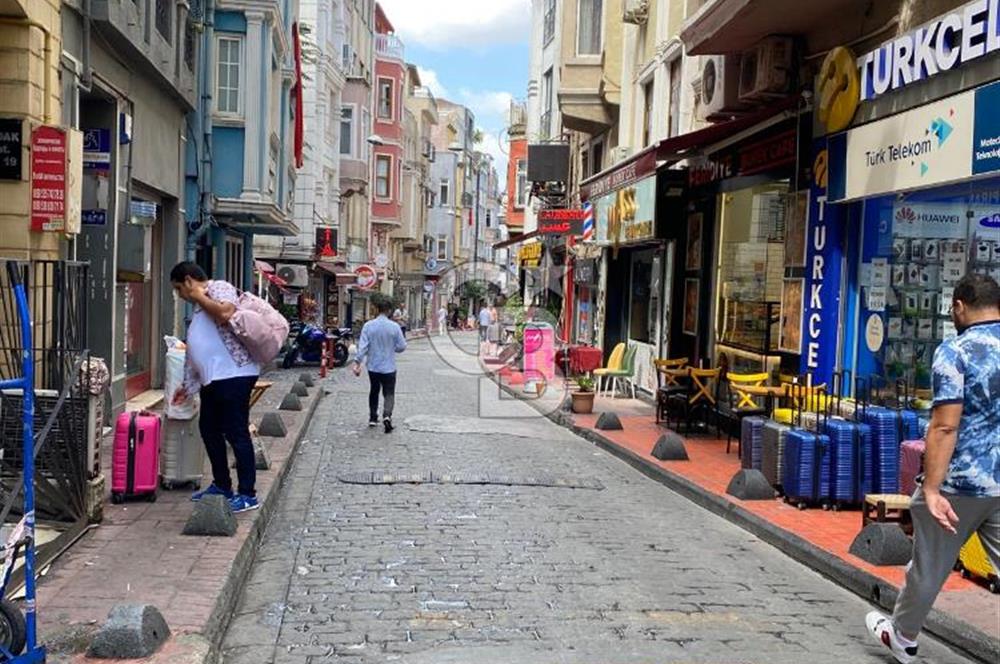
point(772, 458)
point(182, 454)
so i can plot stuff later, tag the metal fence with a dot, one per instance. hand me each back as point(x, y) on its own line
point(65, 411)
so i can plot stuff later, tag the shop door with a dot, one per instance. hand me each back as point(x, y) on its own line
point(138, 333)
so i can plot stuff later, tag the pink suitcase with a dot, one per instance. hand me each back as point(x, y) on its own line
point(911, 464)
point(135, 458)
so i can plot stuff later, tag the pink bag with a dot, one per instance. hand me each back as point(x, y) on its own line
point(911, 464)
point(259, 327)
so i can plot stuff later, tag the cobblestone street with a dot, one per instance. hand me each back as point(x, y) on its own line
point(504, 573)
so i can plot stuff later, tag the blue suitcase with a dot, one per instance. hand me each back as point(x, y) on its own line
point(885, 426)
point(850, 461)
point(751, 430)
point(806, 479)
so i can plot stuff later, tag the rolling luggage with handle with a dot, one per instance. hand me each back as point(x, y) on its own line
point(806, 478)
point(750, 441)
point(135, 456)
point(182, 455)
point(849, 469)
point(911, 464)
point(772, 451)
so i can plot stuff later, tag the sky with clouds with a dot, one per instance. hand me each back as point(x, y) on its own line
point(473, 52)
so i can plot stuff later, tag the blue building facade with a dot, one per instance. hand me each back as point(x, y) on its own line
point(241, 158)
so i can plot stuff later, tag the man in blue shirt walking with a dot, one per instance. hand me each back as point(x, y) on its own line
point(380, 340)
point(960, 491)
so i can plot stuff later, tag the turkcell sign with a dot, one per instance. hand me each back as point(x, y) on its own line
point(821, 304)
point(953, 39)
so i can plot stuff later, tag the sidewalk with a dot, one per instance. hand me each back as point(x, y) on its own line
point(137, 554)
point(966, 614)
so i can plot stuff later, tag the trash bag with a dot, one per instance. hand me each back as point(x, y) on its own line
point(173, 379)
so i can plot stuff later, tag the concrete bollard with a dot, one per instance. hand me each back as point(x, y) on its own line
point(131, 631)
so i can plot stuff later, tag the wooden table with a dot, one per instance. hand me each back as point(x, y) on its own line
point(887, 508)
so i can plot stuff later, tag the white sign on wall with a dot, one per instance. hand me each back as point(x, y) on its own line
point(927, 146)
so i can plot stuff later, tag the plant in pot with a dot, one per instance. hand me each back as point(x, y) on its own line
point(583, 395)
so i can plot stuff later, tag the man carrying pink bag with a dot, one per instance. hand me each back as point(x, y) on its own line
point(230, 338)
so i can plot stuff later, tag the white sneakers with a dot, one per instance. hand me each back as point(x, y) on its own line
point(880, 626)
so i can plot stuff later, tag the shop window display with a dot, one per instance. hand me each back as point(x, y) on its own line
point(916, 247)
point(750, 277)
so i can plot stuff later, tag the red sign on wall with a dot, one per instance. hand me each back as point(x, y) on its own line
point(48, 179)
point(561, 222)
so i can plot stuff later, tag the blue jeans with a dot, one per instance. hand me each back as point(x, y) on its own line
point(225, 415)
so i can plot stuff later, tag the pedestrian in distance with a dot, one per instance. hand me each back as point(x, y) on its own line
point(960, 491)
point(484, 322)
point(380, 340)
point(219, 368)
point(442, 320)
point(404, 319)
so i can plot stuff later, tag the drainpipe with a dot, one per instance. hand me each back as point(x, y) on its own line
point(87, 76)
point(205, 149)
point(47, 49)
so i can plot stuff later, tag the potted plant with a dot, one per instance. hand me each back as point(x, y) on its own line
point(583, 395)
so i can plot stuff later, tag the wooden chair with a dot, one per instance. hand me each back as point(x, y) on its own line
point(738, 402)
point(614, 364)
point(669, 380)
point(701, 394)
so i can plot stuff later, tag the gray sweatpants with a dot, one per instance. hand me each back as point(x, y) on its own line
point(935, 551)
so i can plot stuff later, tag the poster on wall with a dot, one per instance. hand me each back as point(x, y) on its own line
point(693, 251)
point(795, 229)
point(790, 334)
point(691, 293)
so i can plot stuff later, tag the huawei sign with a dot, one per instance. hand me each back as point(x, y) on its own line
point(906, 214)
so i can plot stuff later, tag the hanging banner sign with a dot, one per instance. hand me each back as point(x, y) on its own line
point(821, 300)
point(48, 179)
point(561, 222)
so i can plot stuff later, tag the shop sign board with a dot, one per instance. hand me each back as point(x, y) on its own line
point(942, 44)
point(824, 253)
point(561, 222)
point(626, 216)
point(10, 148)
point(637, 168)
point(365, 277)
point(48, 179)
point(325, 244)
point(944, 141)
point(97, 149)
point(925, 220)
point(530, 255)
point(766, 154)
point(584, 271)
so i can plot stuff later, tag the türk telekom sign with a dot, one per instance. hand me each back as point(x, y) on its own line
point(950, 40)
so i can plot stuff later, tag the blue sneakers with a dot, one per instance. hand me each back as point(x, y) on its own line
point(241, 503)
point(212, 490)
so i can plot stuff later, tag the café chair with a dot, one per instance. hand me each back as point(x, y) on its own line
point(614, 364)
point(668, 383)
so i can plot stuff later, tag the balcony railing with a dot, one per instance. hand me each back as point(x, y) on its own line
point(389, 46)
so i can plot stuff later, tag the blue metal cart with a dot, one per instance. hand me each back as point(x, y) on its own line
point(18, 633)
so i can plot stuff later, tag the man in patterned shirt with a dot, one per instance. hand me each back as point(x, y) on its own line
point(220, 368)
point(960, 492)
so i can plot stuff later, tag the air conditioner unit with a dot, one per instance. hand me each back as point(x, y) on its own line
point(294, 275)
point(766, 69)
point(720, 87)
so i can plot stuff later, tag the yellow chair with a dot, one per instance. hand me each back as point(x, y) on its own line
point(740, 402)
point(614, 364)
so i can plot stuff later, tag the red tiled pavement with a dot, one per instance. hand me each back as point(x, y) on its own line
point(137, 554)
point(711, 469)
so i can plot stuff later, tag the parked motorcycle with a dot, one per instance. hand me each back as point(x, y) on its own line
point(343, 339)
point(307, 346)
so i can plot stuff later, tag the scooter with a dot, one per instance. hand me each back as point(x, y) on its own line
point(343, 338)
point(307, 346)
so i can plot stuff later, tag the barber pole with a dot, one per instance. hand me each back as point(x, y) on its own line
point(588, 222)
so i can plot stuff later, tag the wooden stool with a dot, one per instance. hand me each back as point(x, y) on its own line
point(258, 391)
point(887, 508)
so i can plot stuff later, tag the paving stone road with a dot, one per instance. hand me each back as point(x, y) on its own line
point(490, 574)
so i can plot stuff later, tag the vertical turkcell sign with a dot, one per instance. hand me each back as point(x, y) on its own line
point(824, 259)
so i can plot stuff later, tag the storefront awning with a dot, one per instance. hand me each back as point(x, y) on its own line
point(515, 240)
point(343, 276)
point(707, 140)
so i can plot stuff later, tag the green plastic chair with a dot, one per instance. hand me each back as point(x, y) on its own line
point(626, 373)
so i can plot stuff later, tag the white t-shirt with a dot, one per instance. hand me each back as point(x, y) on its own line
point(208, 354)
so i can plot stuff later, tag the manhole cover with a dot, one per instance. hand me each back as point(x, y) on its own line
point(551, 481)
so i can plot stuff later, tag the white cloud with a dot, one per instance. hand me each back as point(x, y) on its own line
point(456, 23)
point(486, 103)
point(429, 79)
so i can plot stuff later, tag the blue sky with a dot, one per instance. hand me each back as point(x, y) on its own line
point(473, 52)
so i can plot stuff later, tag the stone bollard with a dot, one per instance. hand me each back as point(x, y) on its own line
point(211, 517)
point(882, 544)
point(609, 422)
point(272, 425)
point(670, 447)
point(306, 379)
point(131, 631)
point(750, 484)
point(291, 402)
point(300, 389)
